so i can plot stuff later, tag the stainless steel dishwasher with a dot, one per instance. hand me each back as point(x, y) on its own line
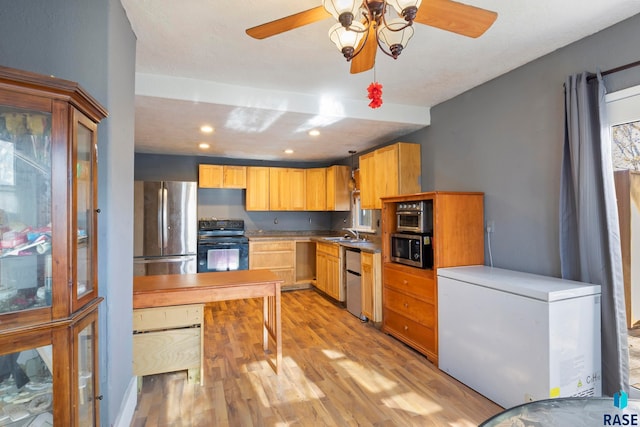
point(354, 295)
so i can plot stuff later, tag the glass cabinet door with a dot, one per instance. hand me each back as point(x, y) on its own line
point(25, 208)
point(85, 195)
point(86, 363)
point(26, 387)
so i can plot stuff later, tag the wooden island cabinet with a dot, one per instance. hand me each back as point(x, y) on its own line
point(48, 252)
point(410, 294)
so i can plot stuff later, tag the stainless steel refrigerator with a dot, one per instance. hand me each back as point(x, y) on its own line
point(165, 227)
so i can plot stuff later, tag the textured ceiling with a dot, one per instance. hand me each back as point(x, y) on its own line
point(195, 65)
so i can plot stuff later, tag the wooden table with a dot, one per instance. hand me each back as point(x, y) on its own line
point(201, 288)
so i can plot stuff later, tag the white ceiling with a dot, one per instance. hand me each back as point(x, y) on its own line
point(195, 65)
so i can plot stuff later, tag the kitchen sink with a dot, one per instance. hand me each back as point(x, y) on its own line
point(342, 239)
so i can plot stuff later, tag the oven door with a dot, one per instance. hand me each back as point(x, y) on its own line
point(223, 256)
point(410, 221)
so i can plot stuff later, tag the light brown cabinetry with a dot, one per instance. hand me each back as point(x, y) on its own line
point(257, 188)
point(222, 176)
point(410, 302)
point(389, 171)
point(275, 255)
point(371, 281)
point(48, 249)
point(316, 193)
point(329, 270)
point(338, 194)
point(286, 189)
point(167, 339)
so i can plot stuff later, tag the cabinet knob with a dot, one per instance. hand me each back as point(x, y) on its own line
point(406, 328)
point(405, 282)
point(99, 397)
point(98, 210)
point(406, 305)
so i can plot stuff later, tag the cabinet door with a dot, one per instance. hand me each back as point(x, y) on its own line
point(84, 225)
point(234, 176)
point(368, 193)
point(85, 362)
point(333, 277)
point(338, 194)
point(210, 176)
point(279, 195)
point(386, 184)
point(366, 280)
point(257, 189)
point(28, 228)
point(297, 189)
point(321, 271)
point(316, 194)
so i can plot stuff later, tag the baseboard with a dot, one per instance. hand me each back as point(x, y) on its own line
point(128, 406)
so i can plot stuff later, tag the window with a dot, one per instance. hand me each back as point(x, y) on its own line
point(362, 218)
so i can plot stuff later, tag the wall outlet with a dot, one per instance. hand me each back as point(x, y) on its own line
point(491, 226)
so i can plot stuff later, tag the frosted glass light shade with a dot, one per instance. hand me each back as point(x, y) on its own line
point(338, 7)
point(398, 39)
point(400, 5)
point(344, 38)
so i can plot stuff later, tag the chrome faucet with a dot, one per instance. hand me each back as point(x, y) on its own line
point(353, 232)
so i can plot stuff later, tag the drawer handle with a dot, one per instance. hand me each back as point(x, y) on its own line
point(406, 328)
point(406, 282)
point(406, 305)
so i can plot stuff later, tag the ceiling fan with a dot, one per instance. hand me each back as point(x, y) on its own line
point(362, 25)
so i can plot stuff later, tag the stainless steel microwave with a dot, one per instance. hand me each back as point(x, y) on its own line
point(412, 249)
point(415, 217)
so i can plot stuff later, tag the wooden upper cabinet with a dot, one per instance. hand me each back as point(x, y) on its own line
point(338, 194)
point(286, 189)
point(389, 171)
point(316, 194)
point(297, 187)
point(222, 176)
point(257, 188)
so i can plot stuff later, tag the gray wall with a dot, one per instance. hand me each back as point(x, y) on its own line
point(91, 42)
point(505, 138)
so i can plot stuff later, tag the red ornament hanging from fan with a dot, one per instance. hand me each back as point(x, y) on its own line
point(375, 94)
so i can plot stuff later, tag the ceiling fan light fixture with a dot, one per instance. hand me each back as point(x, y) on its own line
point(343, 10)
point(406, 8)
point(396, 35)
point(347, 40)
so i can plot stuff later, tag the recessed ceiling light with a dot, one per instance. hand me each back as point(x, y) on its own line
point(288, 151)
point(314, 132)
point(203, 145)
point(206, 129)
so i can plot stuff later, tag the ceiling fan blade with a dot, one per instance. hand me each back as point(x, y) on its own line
point(366, 59)
point(288, 23)
point(456, 17)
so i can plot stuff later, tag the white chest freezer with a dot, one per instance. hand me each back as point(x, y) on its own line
point(517, 337)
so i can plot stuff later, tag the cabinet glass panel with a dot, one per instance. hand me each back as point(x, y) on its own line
point(25, 209)
point(26, 388)
point(86, 406)
point(84, 210)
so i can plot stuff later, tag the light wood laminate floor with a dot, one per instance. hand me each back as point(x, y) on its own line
point(336, 371)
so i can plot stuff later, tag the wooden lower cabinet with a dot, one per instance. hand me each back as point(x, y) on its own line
point(168, 339)
point(278, 256)
point(329, 270)
point(410, 313)
point(371, 281)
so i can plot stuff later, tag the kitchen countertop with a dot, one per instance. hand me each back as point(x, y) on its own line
point(318, 236)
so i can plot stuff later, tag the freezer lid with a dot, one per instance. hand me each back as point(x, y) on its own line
point(543, 288)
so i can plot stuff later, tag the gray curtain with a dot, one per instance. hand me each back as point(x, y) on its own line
point(589, 232)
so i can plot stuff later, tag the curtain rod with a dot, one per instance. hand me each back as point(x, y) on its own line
point(617, 69)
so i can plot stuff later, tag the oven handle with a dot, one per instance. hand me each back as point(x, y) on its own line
point(164, 259)
point(220, 244)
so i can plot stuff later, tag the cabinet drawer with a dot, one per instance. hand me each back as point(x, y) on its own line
point(413, 308)
point(419, 286)
point(413, 333)
point(271, 260)
point(166, 351)
point(272, 245)
point(146, 319)
point(329, 249)
point(285, 274)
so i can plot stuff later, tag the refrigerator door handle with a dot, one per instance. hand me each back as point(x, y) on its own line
point(160, 217)
point(163, 259)
point(165, 223)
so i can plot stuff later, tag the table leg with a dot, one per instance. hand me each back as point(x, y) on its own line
point(272, 327)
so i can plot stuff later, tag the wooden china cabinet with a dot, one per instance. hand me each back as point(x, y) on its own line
point(48, 252)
